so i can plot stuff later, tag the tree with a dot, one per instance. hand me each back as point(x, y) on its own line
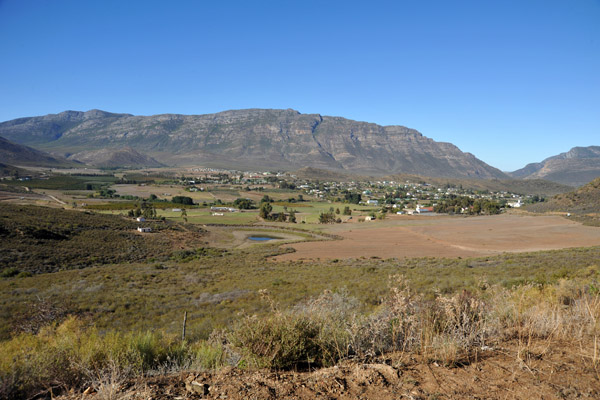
point(353, 198)
point(347, 211)
point(149, 212)
point(327, 218)
point(476, 207)
point(337, 210)
point(265, 210)
point(244, 204)
point(292, 217)
point(266, 199)
point(184, 214)
point(185, 200)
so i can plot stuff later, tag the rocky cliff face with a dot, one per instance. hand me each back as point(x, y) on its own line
point(575, 167)
point(253, 139)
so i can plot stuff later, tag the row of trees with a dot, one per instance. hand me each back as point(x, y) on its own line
point(467, 205)
point(144, 210)
point(265, 213)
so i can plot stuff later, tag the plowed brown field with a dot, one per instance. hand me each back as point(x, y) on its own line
point(446, 236)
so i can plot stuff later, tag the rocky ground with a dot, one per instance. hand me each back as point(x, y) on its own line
point(511, 371)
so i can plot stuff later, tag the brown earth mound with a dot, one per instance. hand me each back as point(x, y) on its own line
point(509, 371)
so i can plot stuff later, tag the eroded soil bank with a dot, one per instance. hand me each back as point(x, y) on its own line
point(508, 371)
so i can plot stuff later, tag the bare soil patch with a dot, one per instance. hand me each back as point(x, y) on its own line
point(509, 371)
point(444, 236)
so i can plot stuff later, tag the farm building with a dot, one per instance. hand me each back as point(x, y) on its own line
point(423, 210)
point(223, 209)
point(144, 230)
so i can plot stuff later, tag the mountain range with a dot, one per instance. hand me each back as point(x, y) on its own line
point(268, 139)
point(252, 139)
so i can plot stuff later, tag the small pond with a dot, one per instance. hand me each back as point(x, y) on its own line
point(262, 238)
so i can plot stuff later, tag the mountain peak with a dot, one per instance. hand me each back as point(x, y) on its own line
point(574, 167)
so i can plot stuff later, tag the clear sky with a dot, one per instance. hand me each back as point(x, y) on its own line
point(511, 81)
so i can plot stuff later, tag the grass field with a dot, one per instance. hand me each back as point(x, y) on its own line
point(214, 287)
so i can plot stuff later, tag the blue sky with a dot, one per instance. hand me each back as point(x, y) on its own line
point(512, 82)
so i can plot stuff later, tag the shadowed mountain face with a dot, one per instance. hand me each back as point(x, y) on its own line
point(575, 167)
point(17, 154)
point(253, 139)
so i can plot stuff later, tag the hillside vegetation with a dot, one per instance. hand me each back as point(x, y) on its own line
point(535, 323)
point(100, 324)
point(40, 239)
point(583, 203)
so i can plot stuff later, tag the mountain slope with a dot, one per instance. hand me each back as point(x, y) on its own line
point(17, 154)
point(112, 158)
point(583, 203)
point(253, 139)
point(575, 167)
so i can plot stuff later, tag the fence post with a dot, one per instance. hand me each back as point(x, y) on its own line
point(184, 322)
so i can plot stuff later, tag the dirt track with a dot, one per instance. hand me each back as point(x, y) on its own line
point(443, 236)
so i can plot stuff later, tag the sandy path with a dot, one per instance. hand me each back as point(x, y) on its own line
point(450, 237)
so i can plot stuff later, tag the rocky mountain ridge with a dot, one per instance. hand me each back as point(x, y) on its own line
point(253, 139)
point(575, 167)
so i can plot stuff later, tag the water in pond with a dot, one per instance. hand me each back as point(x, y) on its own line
point(260, 238)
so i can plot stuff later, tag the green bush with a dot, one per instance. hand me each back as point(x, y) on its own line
point(9, 272)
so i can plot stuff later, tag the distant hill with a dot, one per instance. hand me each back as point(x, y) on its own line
point(11, 171)
point(521, 186)
point(112, 158)
point(575, 167)
point(253, 139)
point(16, 154)
point(583, 200)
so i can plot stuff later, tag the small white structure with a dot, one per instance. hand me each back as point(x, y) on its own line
point(140, 219)
point(373, 202)
point(144, 230)
point(515, 204)
point(423, 210)
point(223, 209)
point(216, 214)
point(369, 218)
point(176, 210)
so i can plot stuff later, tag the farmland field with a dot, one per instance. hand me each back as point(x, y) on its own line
point(444, 236)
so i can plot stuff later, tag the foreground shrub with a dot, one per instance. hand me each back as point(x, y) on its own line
point(73, 355)
point(319, 332)
point(312, 334)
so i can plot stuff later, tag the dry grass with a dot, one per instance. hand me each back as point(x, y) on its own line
point(447, 329)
